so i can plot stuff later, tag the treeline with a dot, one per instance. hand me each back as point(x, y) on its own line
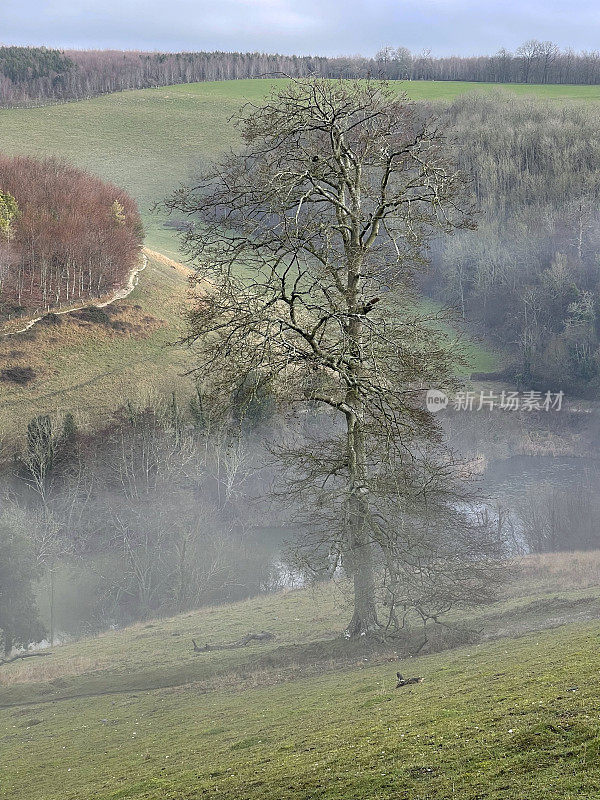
point(530, 275)
point(22, 64)
point(30, 76)
point(533, 62)
point(560, 518)
point(64, 235)
point(77, 74)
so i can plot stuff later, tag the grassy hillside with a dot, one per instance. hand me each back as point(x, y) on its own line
point(307, 716)
point(149, 141)
point(90, 365)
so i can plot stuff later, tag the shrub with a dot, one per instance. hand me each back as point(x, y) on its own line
point(51, 319)
point(92, 314)
point(19, 375)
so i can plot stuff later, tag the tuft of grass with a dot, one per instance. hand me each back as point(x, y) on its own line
point(552, 572)
point(46, 670)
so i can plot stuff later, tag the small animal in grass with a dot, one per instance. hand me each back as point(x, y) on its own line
point(402, 681)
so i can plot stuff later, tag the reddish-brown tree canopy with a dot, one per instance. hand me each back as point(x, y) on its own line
point(73, 237)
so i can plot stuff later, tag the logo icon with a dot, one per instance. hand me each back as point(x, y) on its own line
point(435, 400)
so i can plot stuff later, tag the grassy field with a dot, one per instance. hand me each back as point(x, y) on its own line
point(90, 368)
point(149, 141)
point(135, 714)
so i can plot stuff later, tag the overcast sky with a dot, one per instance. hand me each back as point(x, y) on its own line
point(327, 27)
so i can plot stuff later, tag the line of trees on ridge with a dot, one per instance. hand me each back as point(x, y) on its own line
point(33, 76)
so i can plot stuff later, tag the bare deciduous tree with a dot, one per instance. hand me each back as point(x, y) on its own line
point(306, 243)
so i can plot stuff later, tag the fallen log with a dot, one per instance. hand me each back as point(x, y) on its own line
point(263, 636)
point(20, 656)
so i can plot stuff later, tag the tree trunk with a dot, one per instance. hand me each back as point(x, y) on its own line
point(52, 606)
point(364, 618)
point(8, 644)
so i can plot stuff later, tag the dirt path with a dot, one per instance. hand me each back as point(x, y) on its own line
point(120, 294)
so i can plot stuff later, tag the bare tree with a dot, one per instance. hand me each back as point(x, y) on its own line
point(548, 53)
point(529, 53)
point(306, 243)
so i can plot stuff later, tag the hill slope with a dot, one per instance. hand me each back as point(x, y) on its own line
point(91, 363)
point(296, 719)
point(149, 141)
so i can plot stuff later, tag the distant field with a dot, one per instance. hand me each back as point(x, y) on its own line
point(448, 90)
point(136, 714)
point(149, 141)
